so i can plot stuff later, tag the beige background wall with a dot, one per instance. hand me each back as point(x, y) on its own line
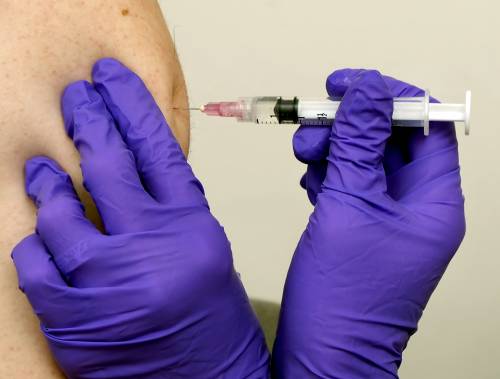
point(232, 48)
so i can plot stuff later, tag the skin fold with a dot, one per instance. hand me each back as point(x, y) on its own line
point(46, 45)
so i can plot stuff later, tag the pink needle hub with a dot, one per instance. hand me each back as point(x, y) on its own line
point(224, 109)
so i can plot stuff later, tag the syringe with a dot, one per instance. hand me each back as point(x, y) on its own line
point(269, 110)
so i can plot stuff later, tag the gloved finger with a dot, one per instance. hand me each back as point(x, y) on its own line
point(359, 134)
point(430, 156)
point(339, 81)
point(316, 171)
point(396, 154)
point(312, 180)
point(404, 146)
point(108, 166)
point(311, 143)
point(160, 160)
point(61, 221)
point(411, 141)
point(39, 279)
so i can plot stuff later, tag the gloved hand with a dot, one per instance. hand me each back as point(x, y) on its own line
point(157, 295)
point(388, 218)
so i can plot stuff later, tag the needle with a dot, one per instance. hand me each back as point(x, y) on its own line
point(187, 109)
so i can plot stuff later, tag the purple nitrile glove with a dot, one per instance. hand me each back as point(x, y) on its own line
point(157, 295)
point(388, 218)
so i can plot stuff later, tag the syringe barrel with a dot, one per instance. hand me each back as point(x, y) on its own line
point(317, 109)
point(408, 111)
point(260, 110)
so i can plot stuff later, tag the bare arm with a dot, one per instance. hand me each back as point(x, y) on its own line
point(45, 45)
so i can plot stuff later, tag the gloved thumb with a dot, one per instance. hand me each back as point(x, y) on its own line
point(358, 137)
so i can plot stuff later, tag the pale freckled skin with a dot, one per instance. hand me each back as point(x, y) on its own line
point(45, 46)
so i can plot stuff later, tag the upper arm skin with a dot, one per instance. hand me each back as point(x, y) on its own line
point(45, 45)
